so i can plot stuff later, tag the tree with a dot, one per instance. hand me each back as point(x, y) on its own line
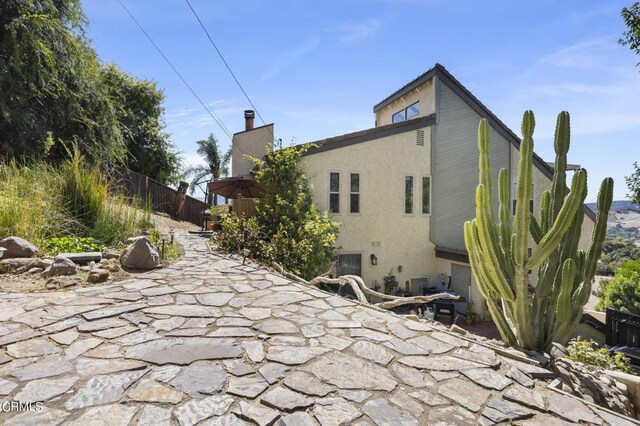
point(50, 84)
point(623, 292)
point(633, 183)
point(631, 37)
point(138, 108)
point(217, 164)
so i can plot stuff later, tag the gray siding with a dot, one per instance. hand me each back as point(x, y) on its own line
point(455, 166)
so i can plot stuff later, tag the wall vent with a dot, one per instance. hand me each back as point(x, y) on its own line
point(420, 137)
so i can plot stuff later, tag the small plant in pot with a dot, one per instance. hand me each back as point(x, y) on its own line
point(470, 314)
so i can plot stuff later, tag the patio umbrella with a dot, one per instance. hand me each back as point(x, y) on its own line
point(234, 187)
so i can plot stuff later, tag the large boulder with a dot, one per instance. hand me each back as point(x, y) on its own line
point(17, 247)
point(142, 254)
point(61, 266)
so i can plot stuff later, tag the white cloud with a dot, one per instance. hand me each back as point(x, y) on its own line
point(360, 31)
point(289, 57)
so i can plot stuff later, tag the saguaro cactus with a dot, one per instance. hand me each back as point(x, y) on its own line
point(534, 315)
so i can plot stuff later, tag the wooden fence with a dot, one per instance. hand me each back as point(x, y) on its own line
point(161, 197)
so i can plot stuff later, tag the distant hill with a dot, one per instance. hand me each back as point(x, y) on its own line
point(617, 206)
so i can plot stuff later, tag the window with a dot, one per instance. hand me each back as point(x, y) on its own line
point(413, 111)
point(398, 117)
point(354, 195)
point(408, 194)
point(334, 192)
point(350, 264)
point(407, 113)
point(426, 195)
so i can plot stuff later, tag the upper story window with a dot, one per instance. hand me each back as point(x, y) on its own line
point(354, 196)
point(514, 201)
point(407, 113)
point(426, 195)
point(334, 192)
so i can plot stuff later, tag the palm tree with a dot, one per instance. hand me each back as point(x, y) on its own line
point(217, 164)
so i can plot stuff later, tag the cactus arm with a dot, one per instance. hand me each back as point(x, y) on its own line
point(551, 240)
point(536, 231)
point(484, 144)
point(605, 197)
point(487, 245)
point(563, 307)
point(523, 195)
point(545, 205)
point(559, 184)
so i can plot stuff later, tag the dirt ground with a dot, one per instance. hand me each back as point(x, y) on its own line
point(34, 283)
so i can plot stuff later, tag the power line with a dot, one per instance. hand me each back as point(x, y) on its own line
point(216, 119)
point(224, 61)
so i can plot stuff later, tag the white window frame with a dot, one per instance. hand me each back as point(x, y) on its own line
point(329, 192)
point(359, 192)
point(404, 194)
point(422, 194)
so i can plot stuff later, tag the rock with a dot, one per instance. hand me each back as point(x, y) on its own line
point(526, 397)
point(254, 350)
point(154, 416)
point(108, 415)
point(34, 271)
point(52, 365)
point(257, 413)
point(6, 386)
point(110, 254)
point(520, 377)
point(299, 418)
point(410, 376)
point(98, 275)
point(385, 414)
point(498, 410)
point(33, 347)
point(464, 393)
point(111, 265)
point(429, 398)
point(61, 266)
point(276, 326)
point(148, 390)
point(17, 265)
point(45, 389)
point(142, 254)
point(273, 371)
point(200, 379)
point(457, 329)
point(57, 283)
point(292, 355)
point(284, 399)
point(487, 378)
point(66, 337)
point(17, 247)
point(248, 386)
point(557, 351)
point(401, 399)
point(356, 396)
point(307, 384)
point(347, 372)
point(184, 351)
point(372, 352)
point(451, 415)
point(82, 258)
point(103, 389)
point(2, 252)
point(44, 417)
point(196, 410)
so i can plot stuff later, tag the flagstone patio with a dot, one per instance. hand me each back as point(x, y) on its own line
point(210, 341)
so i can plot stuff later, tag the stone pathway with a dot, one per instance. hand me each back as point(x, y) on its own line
point(209, 341)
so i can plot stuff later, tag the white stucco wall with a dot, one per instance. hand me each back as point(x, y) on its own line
point(424, 93)
point(254, 143)
point(381, 228)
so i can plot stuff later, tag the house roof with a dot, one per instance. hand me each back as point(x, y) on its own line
point(369, 134)
point(447, 78)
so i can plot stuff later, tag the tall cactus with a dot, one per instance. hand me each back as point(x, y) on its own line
point(534, 315)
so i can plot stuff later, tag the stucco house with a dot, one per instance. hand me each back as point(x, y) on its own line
point(403, 189)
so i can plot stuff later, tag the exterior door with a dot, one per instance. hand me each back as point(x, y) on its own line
point(350, 264)
point(461, 284)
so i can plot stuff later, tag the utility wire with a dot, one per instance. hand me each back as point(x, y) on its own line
point(216, 119)
point(224, 60)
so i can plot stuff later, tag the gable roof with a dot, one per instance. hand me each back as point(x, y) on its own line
point(452, 83)
point(369, 134)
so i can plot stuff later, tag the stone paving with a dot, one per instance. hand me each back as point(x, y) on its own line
point(210, 341)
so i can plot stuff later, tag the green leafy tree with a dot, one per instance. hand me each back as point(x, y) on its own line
point(623, 292)
point(217, 164)
point(50, 84)
point(631, 37)
point(138, 108)
point(633, 183)
point(287, 228)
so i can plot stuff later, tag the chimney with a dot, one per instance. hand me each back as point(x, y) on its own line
point(249, 115)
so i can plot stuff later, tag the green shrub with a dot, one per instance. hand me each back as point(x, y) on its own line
point(287, 228)
point(587, 352)
point(623, 292)
point(71, 245)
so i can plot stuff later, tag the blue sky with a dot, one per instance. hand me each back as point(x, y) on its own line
point(316, 69)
